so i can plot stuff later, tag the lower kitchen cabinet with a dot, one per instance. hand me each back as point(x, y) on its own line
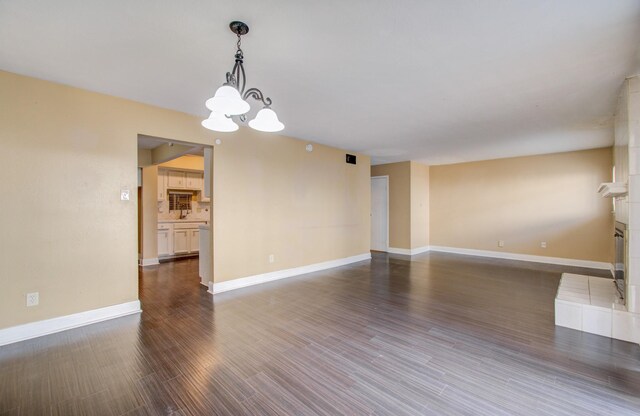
point(164, 240)
point(194, 241)
point(180, 241)
point(178, 238)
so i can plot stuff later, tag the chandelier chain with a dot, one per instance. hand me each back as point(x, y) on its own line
point(238, 44)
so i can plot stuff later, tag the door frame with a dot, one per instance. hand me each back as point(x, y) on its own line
point(386, 179)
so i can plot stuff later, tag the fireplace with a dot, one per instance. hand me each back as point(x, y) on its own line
point(620, 271)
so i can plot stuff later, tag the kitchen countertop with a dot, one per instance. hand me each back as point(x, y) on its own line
point(183, 220)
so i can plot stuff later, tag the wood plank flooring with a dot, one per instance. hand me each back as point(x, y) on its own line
point(440, 335)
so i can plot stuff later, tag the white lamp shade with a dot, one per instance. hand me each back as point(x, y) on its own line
point(266, 120)
point(227, 101)
point(219, 122)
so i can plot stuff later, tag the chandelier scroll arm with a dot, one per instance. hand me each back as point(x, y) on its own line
point(257, 95)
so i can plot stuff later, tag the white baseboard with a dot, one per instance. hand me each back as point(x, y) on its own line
point(282, 274)
point(524, 257)
point(62, 323)
point(149, 262)
point(408, 251)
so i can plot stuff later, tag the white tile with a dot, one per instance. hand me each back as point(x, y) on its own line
point(634, 159)
point(582, 299)
point(633, 216)
point(596, 320)
point(619, 307)
point(622, 211)
point(634, 188)
point(633, 271)
point(634, 131)
point(625, 326)
point(602, 290)
point(634, 244)
point(633, 276)
point(568, 314)
point(634, 84)
point(609, 289)
point(608, 296)
point(573, 276)
point(602, 302)
point(605, 287)
point(632, 298)
point(599, 282)
point(577, 284)
point(573, 291)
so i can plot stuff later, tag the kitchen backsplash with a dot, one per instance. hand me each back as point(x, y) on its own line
point(198, 211)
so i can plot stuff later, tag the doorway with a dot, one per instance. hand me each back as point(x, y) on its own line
point(380, 213)
point(175, 217)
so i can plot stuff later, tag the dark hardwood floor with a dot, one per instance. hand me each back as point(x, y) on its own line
point(442, 334)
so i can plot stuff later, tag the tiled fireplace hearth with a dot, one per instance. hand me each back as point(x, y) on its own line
point(592, 304)
point(578, 303)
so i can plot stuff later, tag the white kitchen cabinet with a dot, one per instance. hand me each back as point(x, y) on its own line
point(176, 179)
point(178, 238)
point(194, 241)
point(193, 180)
point(181, 241)
point(162, 185)
point(186, 240)
point(164, 241)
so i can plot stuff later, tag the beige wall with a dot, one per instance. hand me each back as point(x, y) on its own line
point(271, 196)
point(399, 201)
point(149, 217)
point(419, 205)
point(408, 203)
point(68, 152)
point(524, 201)
point(66, 155)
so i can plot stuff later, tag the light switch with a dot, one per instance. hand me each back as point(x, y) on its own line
point(124, 194)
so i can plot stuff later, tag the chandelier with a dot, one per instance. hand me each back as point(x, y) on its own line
point(230, 99)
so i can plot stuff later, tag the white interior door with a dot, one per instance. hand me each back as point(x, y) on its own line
point(379, 213)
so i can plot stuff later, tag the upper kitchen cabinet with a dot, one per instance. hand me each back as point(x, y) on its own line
point(193, 180)
point(176, 179)
point(181, 179)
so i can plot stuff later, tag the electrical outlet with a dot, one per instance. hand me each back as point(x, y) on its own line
point(500, 243)
point(543, 244)
point(271, 258)
point(33, 299)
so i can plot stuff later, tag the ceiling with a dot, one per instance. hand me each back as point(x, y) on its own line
point(432, 81)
